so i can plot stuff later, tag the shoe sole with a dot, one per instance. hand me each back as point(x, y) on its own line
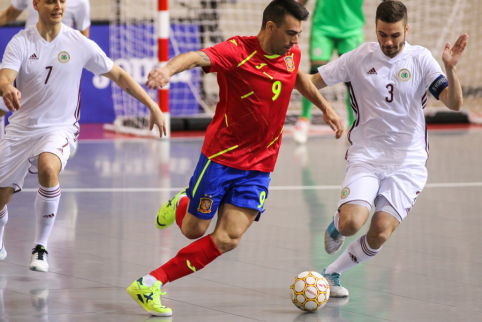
point(34, 268)
point(134, 297)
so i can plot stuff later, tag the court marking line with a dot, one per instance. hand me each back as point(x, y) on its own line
point(275, 188)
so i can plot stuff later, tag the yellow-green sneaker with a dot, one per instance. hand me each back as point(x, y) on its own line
point(166, 216)
point(149, 297)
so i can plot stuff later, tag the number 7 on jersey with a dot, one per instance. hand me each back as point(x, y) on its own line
point(50, 71)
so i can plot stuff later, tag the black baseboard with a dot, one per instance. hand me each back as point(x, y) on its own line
point(448, 117)
point(190, 123)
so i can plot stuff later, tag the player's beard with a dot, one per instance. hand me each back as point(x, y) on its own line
point(392, 53)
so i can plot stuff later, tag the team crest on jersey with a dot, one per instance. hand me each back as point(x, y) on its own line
point(345, 192)
point(205, 205)
point(290, 64)
point(404, 75)
point(64, 57)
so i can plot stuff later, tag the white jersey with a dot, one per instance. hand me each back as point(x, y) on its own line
point(76, 15)
point(388, 96)
point(49, 78)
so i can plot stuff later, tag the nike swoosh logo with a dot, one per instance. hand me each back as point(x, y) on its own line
point(260, 66)
point(157, 219)
point(191, 267)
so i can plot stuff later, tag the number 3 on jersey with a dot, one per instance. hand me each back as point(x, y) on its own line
point(390, 91)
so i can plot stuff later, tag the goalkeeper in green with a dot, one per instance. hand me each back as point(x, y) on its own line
point(337, 24)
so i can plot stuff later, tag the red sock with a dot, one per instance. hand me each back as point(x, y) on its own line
point(190, 259)
point(181, 210)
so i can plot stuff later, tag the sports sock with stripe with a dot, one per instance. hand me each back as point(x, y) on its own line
point(190, 259)
point(46, 205)
point(357, 252)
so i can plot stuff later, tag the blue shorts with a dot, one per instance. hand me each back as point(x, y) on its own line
point(213, 184)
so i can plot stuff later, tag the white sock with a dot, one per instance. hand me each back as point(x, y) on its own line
point(149, 280)
point(180, 197)
point(2, 126)
point(3, 222)
point(46, 205)
point(354, 254)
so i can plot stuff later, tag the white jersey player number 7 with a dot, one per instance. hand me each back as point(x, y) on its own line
point(49, 77)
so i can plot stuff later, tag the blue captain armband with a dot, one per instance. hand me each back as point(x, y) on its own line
point(438, 85)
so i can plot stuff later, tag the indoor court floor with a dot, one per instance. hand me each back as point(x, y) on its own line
point(105, 238)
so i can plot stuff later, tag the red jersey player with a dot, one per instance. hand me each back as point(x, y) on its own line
point(256, 76)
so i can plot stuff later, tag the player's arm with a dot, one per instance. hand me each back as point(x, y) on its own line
point(9, 15)
point(452, 96)
point(85, 32)
point(317, 80)
point(11, 95)
point(131, 87)
point(306, 87)
point(160, 77)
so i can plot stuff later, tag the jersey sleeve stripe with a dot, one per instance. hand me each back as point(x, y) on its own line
point(249, 57)
point(244, 96)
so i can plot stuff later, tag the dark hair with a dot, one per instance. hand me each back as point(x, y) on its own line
point(391, 11)
point(277, 10)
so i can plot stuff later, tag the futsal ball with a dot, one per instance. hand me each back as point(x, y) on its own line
point(310, 291)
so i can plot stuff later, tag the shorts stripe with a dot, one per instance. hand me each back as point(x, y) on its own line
point(199, 179)
point(364, 246)
point(206, 166)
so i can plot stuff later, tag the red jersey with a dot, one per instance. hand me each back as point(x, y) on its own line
point(254, 94)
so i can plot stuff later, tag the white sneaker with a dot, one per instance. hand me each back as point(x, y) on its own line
point(3, 253)
point(38, 261)
point(333, 239)
point(336, 290)
point(300, 134)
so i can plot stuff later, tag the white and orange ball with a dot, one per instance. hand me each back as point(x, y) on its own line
point(310, 291)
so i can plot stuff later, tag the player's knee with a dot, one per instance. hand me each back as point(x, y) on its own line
point(225, 242)
point(192, 227)
point(376, 238)
point(5, 196)
point(348, 226)
point(48, 173)
point(192, 233)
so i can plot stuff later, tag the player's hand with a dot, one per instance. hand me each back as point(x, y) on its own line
point(158, 78)
point(158, 118)
point(334, 121)
point(11, 97)
point(452, 55)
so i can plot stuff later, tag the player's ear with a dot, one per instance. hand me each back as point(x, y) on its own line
point(270, 26)
point(406, 29)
